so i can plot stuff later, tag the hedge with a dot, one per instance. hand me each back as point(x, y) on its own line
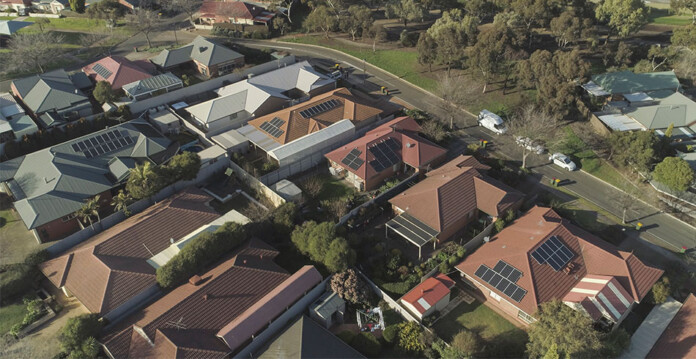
point(390, 333)
point(206, 248)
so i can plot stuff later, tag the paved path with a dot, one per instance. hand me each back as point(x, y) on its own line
point(659, 228)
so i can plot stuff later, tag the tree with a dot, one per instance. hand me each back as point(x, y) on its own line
point(493, 48)
point(626, 200)
point(569, 28)
point(188, 7)
point(405, 10)
point(451, 34)
point(682, 5)
point(339, 255)
point(685, 64)
point(281, 24)
point(535, 13)
point(88, 350)
point(78, 330)
point(89, 209)
point(275, 6)
point(121, 202)
point(660, 291)
point(377, 33)
point(456, 92)
point(675, 173)
point(669, 130)
point(109, 10)
point(184, 166)
point(77, 6)
point(624, 17)
point(284, 217)
point(312, 186)
point(684, 36)
point(321, 19)
point(359, 19)
point(467, 342)
point(552, 353)
point(104, 93)
point(659, 56)
point(34, 50)
point(320, 243)
point(351, 287)
point(143, 181)
point(42, 22)
point(570, 330)
point(427, 50)
point(145, 21)
point(409, 337)
point(636, 149)
point(534, 124)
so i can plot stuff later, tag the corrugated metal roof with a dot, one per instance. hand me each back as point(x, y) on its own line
point(649, 332)
point(152, 84)
point(338, 129)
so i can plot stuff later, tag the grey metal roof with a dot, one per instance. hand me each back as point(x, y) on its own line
point(305, 339)
point(81, 80)
point(650, 330)
point(623, 82)
point(23, 125)
point(328, 304)
point(57, 180)
point(50, 91)
point(220, 107)
point(676, 108)
point(152, 84)
point(200, 49)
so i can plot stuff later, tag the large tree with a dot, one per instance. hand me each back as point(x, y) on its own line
point(569, 27)
point(675, 173)
point(358, 20)
point(684, 36)
point(351, 287)
point(451, 34)
point(34, 50)
point(638, 150)
point(624, 17)
point(321, 19)
point(184, 166)
point(570, 330)
point(406, 10)
point(104, 93)
point(321, 244)
point(536, 13)
point(490, 55)
point(143, 181)
point(534, 124)
point(685, 5)
point(145, 21)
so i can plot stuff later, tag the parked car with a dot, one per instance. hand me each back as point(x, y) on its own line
point(528, 143)
point(336, 75)
point(492, 122)
point(563, 161)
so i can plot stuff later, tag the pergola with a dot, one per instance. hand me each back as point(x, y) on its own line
point(412, 230)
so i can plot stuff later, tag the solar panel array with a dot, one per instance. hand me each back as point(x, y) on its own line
point(553, 252)
point(353, 160)
point(503, 278)
point(317, 109)
point(273, 127)
point(385, 154)
point(103, 143)
point(102, 71)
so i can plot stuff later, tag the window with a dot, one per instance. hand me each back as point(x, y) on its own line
point(495, 296)
point(68, 217)
point(525, 317)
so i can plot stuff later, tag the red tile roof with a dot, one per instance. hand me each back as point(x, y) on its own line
point(451, 192)
point(592, 256)
point(432, 290)
point(351, 107)
point(414, 150)
point(222, 11)
point(678, 340)
point(186, 321)
point(121, 71)
point(111, 267)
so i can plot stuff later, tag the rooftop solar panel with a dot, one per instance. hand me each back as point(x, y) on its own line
point(319, 108)
point(554, 253)
point(129, 140)
point(503, 283)
point(102, 71)
point(75, 147)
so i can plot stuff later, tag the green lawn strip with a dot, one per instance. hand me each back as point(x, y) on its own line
point(10, 315)
point(398, 62)
point(483, 321)
point(585, 212)
point(334, 189)
point(661, 14)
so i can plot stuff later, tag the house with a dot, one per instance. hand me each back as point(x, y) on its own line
point(215, 314)
point(233, 12)
point(109, 273)
point(260, 95)
point(383, 152)
point(119, 71)
point(305, 339)
point(14, 123)
point(208, 58)
point(50, 6)
point(433, 294)
point(617, 84)
point(49, 185)
point(312, 128)
point(542, 256)
point(19, 6)
point(152, 86)
point(328, 310)
point(447, 200)
point(54, 97)
point(165, 121)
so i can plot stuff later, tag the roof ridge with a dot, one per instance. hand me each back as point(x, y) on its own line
point(631, 281)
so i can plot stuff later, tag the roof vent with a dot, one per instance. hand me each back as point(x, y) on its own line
point(171, 240)
point(486, 239)
point(77, 91)
point(206, 296)
point(196, 280)
point(409, 145)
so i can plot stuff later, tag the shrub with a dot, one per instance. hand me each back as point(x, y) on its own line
point(409, 337)
point(408, 38)
point(467, 342)
point(351, 287)
point(390, 333)
point(16, 280)
point(36, 257)
point(320, 242)
point(367, 344)
point(499, 225)
point(661, 290)
point(445, 267)
point(78, 329)
point(347, 336)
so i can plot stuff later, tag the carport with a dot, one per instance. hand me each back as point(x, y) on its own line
point(412, 230)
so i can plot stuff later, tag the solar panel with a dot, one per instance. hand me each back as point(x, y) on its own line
point(554, 253)
point(117, 134)
point(82, 145)
point(87, 154)
point(75, 147)
point(319, 108)
point(384, 154)
point(502, 277)
point(129, 140)
point(111, 135)
point(101, 70)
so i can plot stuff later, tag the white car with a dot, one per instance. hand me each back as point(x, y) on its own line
point(563, 161)
point(528, 143)
point(492, 122)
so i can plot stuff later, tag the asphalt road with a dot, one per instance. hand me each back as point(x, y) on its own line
point(658, 228)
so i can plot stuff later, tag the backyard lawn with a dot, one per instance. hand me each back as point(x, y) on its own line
point(10, 315)
point(502, 338)
point(15, 240)
point(334, 189)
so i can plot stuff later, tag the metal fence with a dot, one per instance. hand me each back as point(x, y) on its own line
point(284, 172)
point(257, 185)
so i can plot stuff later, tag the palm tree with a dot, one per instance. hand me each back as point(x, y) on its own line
point(141, 180)
point(121, 201)
point(90, 208)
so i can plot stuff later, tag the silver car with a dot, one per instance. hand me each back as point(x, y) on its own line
point(528, 143)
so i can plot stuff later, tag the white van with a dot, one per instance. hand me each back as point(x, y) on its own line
point(492, 122)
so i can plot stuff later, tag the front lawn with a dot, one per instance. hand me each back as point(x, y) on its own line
point(501, 338)
point(10, 315)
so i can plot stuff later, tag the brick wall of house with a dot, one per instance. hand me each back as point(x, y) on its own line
point(505, 306)
point(60, 228)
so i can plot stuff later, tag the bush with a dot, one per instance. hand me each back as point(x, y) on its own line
point(467, 342)
point(78, 329)
point(17, 279)
point(36, 257)
point(351, 287)
point(660, 291)
point(35, 310)
point(410, 337)
point(408, 38)
point(367, 344)
point(390, 333)
point(347, 336)
point(499, 225)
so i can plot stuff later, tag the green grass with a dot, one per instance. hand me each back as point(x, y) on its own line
point(660, 14)
point(400, 62)
point(10, 315)
point(497, 332)
point(334, 189)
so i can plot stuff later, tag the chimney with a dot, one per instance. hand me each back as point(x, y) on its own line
point(195, 280)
